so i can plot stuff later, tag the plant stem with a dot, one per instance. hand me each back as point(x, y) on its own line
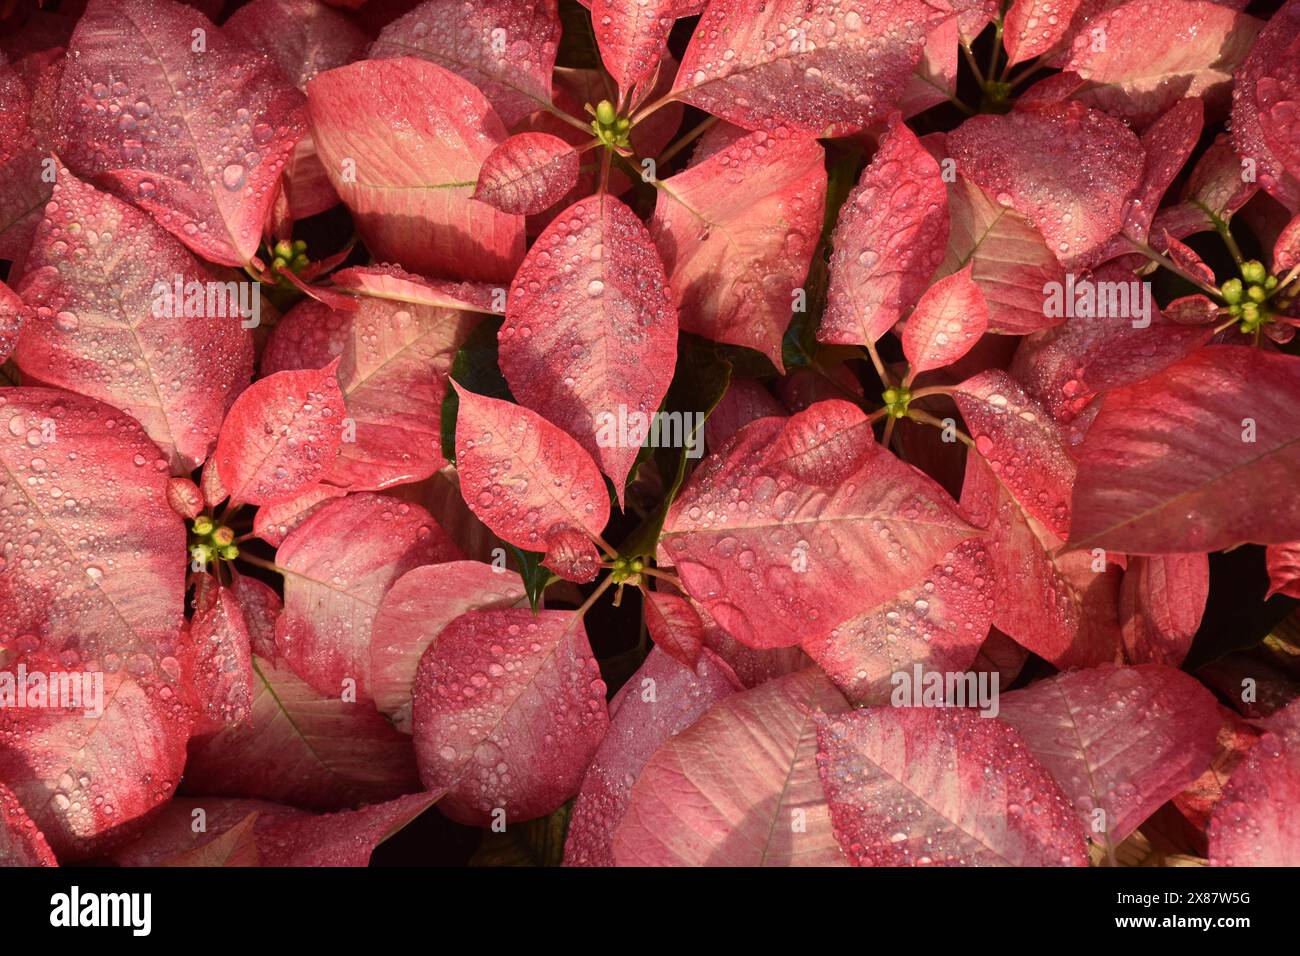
point(601, 588)
point(1173, 267)
point(645, 111)
point(687, 139)
point(919, 416)
point(672, 579)
point(604, 546)
point(880, 366)
point(997, 48)
point(259, 563)
point(970, 61)
point(932, 390)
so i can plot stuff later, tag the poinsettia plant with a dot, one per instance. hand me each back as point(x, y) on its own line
point(810, 432)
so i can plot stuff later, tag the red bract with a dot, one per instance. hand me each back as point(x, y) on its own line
point(109, 292)
point(737, 231)
point(402, 141)
point(205, 174)
point(590, 333)
point(868, 442)
point(912, 787)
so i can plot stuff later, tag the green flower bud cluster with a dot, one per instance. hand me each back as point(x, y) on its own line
point(897, 400)
point(610, 128)
point(1248, 297)
point(210, 541)
point(625, 569)
point(290, 256)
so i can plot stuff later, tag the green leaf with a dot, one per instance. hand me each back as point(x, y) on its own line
point(536, 577)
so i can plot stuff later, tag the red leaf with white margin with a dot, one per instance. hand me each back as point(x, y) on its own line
point(101, 280)
point(273, 522)
point(1283, 562)
point(1235, 739)
point(947, 322)
point(392, 373)
point(674, 626)
point(304, 37)
point(21, 844)
point(261, 606)
point(1065, 167)
point(522, 476)
point(922, 787)
point(1263, 104)
point(827, 69)
point(888, 241)
point(508, 710)
point(633, 37)
point(1051, 601)
point(940, 623)
point(282, 835)
point(527, 173)
point(1122, 740)
point(403, 141)
point(581, 343)
point(393, 282)
point(223, 667)
point(1149, 62)
point(737, 233)
point(1167, 468)
point(112, 603)
point(337, 566)
point(1022, 445)
point(504, 47)
point(281, 435)
point(177, 151)
point(414, 612)
point(739, 787)
point(13, 313)
point(1161, 601)
point(1255, 824)
point(302, 748)
point(796, 559)
point(1035, 26)
point(658, 702)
